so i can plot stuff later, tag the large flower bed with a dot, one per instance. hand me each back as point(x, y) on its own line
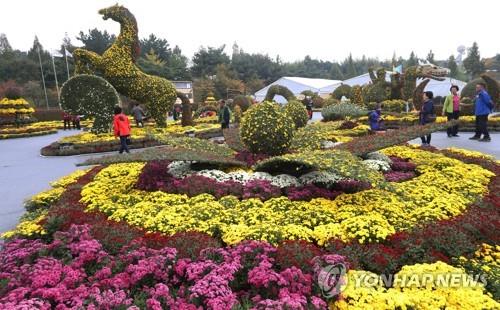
point(222, 234)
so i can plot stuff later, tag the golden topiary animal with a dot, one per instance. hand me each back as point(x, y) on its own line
point(117, 65)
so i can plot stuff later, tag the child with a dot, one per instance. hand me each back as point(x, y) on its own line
point(121, 128)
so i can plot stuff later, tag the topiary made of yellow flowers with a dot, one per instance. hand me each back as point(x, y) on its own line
point(266, 128)
point(117, 65)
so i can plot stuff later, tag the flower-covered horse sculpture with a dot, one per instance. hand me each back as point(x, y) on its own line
point(117, 65)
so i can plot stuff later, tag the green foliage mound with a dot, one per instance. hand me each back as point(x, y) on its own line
point(242, 101)
point(279, 90)
point(265, 128)
point(91, 96)
point(297, 112)
point(342, 111)
point(342, 90)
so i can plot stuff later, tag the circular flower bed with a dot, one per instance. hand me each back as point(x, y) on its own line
point(183, 235)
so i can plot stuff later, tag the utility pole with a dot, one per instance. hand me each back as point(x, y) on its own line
point(43, 78)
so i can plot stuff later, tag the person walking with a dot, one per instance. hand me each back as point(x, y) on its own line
point(75, 119)
point(224, 115)
point(138, 114)
point(67, 120)
point(483, 107)
point(427, 115)
point(451, 109)
point(309, 107)
point(121, 128)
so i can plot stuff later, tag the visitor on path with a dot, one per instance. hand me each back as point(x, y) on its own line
point(67, 120)
point(427, 115)
point(451, 109)
point(224, 115)
point(309, 107)
point(121, 128)
point(375, 119)
point(483, 107)
point(75, 119)
point(138, 114)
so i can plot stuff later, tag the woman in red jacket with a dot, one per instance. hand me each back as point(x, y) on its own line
point(121, 127)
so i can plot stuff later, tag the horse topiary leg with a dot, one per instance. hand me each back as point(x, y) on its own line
point(86, 62)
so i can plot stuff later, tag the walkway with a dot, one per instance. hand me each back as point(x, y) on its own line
point(23, 173)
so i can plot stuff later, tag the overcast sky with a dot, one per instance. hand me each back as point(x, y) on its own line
point(327, 30)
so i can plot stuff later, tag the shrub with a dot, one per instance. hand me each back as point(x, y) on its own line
point(396, 105)
point(13, 92)
point(297, 112)
point(318, 102)
point(374, 93)
point(92, 96)
point(265, 128)
point(237, 114)
point(466, 100)
point(279, 90)
point(206, 108)
point(342, 90)
point(330, 101)
point(342, 111)
point(357, 95)
point(242, 101)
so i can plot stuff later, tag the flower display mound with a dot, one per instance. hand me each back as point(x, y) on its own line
point(221, 236)
point(297, 112)
point(266, 128)
point(75, 270)
point(92, 96)
point(15, 111)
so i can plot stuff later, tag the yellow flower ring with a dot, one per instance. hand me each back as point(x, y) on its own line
point(444, 188)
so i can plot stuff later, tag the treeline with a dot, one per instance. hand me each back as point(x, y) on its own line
point(211, 68)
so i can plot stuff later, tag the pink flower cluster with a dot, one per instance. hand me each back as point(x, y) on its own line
point(74, 272)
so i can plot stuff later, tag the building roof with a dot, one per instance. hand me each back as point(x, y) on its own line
point(297, 85)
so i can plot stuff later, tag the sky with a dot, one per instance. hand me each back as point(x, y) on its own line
point(327, 30)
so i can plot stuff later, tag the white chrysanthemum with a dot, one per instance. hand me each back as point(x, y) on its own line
point(320, 177)
point(377, 165)
point(215, 174)
point(240, 176)
point(284, 180)
point(378, 156)
point(262, 176)
point(180, 169)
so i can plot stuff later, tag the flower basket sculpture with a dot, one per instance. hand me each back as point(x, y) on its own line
point(117, 65)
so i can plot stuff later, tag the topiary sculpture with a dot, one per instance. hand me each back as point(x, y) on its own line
point(15, 111)
point(117, 65)
point(342, 111)
point(91, 96)
point(342, 90)
point(242, 101)
point(357, 95)
point(492, 87)
point(297, 112)
point(265, 128)
point(187, 112)
point(279, 90)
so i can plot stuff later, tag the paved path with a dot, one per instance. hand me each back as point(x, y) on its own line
point(441, 140)
point(23, 173)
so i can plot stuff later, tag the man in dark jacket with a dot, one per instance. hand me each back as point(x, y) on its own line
point(427, 115)
point(375, 119)
point(483, 107)
point(224, 115)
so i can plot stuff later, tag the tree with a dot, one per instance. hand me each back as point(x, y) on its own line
point(430, 57)
point(452, 65)
point(96, 40)
point(350, 70)
point(205, 61)
point(412, 61)
point(226, 83)
point(4, 44)
point(159, 46)
point(151, 63)
point(66, 44)
point(336, 72)
point(202, 87)
point(472, 63)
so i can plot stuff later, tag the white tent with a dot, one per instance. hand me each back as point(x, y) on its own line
point(439, 88)
point(297, 85)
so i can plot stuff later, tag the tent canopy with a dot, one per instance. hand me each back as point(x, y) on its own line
point(299, 84)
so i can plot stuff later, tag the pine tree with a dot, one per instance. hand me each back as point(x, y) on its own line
point(452, 65)
point(412, 61)
point(430, 57)
point(4, 44)
point(472, 63)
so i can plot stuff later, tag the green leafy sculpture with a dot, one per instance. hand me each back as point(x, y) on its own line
point(279, 90)
point(93, 96)
point(117, 65)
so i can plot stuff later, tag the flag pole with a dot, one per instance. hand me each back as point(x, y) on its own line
point(55, 78)
point(43, 78)
point(66, 57)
